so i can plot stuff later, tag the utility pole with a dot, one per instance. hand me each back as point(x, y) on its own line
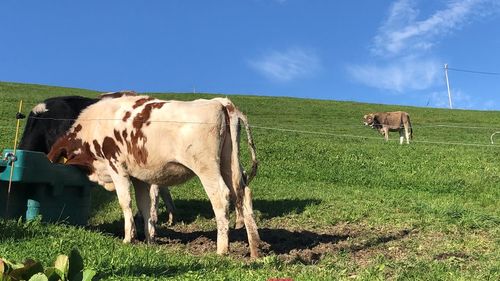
point(447, 83)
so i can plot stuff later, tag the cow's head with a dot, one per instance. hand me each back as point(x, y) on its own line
point(369, 119)
point(73, 151)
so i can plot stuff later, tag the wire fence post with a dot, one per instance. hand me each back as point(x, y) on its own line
point(447, 84)
point(19, 116)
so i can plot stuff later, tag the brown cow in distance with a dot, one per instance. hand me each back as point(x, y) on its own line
point(385, 122)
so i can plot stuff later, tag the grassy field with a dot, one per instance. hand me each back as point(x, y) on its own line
point(333, 201)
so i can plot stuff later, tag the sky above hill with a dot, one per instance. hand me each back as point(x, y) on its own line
point(390, 52)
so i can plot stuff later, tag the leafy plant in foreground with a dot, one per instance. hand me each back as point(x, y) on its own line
point(65, 268)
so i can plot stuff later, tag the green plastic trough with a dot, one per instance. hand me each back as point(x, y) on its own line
point(57, 192)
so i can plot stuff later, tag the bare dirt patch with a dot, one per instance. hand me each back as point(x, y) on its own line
point(291, 246)
point(451, 255)
point(304, 246)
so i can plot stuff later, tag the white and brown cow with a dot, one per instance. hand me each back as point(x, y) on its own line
point(152, 142)
point(385, 122)
point(52, 118)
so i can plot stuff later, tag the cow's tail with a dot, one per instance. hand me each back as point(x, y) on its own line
point(236, 118)
point(253, 172)
point(411, 127)
point(243, 194)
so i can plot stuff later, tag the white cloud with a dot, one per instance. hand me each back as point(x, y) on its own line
point(460, 100)
point(403, 32)
point(403, 42)
point(438, 99)
point(411, 73)
point(287, 65)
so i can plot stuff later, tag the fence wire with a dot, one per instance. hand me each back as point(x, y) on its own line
point(329, 126)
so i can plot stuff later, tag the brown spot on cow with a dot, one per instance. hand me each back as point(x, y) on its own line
point(86, 145)
point(78, 128)
point(97, 148)
point(157, 105)
point(117, 136)
point(139, 152)
point(129, 146)
point(110, 150)
point(76, 152)
point(140, 120)
point(142, 101)
point(143, 117)
point(126, 116)
point(114, 95)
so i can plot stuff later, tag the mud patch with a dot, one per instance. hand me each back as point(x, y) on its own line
point(361, 242)
point(291, 246)
point(453, 255)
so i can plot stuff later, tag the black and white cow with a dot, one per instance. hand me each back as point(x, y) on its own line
point(52, 118)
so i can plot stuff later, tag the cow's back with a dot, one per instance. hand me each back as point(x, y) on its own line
point(152, 137)
point(392, 120)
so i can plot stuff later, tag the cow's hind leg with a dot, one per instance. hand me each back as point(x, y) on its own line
point(169, 203)
point(401, 136)
point(236, 193)
point(122, 185)
point(218, 193)
point(407, 134)
point(250, 225)
point(146, 196)
point(242, 198)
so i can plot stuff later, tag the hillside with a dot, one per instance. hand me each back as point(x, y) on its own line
point(332, 199)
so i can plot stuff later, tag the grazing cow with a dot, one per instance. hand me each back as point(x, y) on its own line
point(155, 142)
point(52, 118)
point(386, 122)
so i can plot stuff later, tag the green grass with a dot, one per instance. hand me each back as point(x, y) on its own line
point(427, 211)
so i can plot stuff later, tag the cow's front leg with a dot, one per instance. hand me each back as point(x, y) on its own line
point(122, 186)
point(386, 134)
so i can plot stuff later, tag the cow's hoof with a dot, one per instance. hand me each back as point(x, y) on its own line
point(151, 241)
point(171, 220)
point(128, 240)
point(223, 253)
point(239, 225)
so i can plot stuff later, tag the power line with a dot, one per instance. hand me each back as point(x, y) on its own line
point(332, 134)
point(474, 71)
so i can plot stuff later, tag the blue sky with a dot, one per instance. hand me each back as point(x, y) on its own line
point(390, 52)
